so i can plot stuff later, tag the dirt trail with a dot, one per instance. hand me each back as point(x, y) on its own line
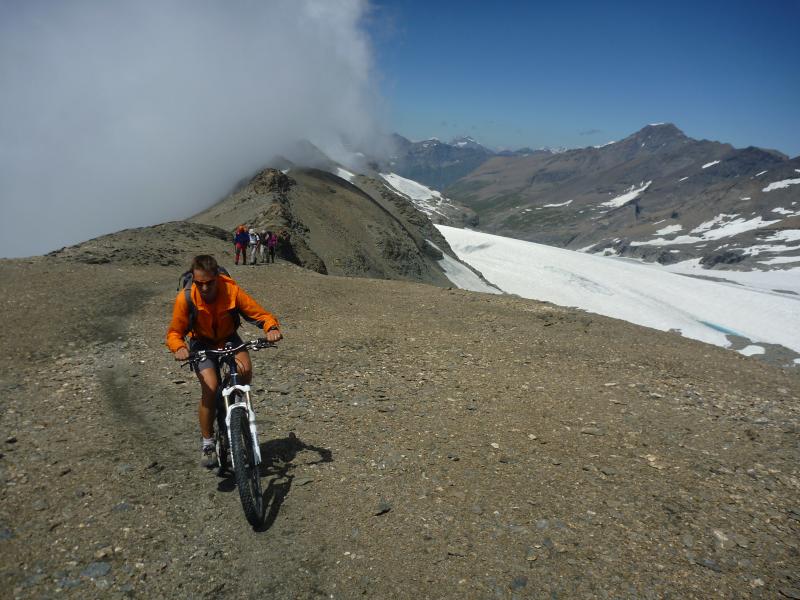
point(421, 443)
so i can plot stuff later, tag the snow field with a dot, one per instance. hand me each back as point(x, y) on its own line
point(643, 294)
point(461, 275)
point(424, 198)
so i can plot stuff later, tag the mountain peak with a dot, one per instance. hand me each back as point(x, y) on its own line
point(465, 141)
point(661, 129)
point(655, 135)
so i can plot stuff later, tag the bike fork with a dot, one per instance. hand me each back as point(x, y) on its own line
point(251, 421)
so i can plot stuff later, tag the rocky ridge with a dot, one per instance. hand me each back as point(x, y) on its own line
point(336, 227)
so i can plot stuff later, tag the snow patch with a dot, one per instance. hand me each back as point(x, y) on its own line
point(427, 200)
point(783, 211)
point(751, 350)
point(768, 249)
point(787, 235)
point(777, 185)
point(669, 229)
point(568, 202)
point(728, 226)
point(631, 194)
point(345, 174)
point(711, 164)
point(720, 218)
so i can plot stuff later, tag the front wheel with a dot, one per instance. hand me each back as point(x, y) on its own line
point(245, 468)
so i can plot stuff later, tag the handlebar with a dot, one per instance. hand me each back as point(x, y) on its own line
point(201, 355)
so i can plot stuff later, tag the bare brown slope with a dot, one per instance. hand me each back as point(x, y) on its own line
point(447, 445)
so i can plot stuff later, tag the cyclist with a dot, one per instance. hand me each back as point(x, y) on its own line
point(218, 302)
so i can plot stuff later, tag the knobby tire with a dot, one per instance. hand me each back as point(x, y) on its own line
point(245, 470)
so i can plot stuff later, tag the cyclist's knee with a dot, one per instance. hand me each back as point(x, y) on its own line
point(244, 366)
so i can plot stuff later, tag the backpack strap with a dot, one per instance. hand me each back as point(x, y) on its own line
point(185, 280)
point(236, 315)
point(187, 293)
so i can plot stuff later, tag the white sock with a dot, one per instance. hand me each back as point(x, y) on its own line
point(208, 442)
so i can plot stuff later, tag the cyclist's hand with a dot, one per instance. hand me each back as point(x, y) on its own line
point(273, 335)
point(182, 353)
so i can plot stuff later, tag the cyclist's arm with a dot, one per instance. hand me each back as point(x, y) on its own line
point(253, 312)
point(179, 325)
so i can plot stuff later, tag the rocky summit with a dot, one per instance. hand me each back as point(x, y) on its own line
point(418, 441)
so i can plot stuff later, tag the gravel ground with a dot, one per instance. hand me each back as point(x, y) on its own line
point(420, 443)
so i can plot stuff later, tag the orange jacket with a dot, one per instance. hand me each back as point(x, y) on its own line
point(215, 322)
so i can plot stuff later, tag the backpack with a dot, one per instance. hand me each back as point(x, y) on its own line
point(185, 284)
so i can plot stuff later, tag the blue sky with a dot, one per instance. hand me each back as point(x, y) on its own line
point(515, 74)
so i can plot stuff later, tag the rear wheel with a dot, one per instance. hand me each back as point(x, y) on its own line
point(245, 468)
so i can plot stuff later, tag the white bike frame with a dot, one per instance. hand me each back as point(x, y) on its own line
point(251, 417)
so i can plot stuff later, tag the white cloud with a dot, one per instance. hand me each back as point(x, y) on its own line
point(118, 114)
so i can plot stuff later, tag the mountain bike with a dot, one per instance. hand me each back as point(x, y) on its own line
point(236, 436)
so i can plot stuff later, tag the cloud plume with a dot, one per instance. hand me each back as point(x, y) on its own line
point(118, 114)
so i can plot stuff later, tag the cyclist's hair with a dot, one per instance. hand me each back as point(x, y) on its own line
point(205, 262)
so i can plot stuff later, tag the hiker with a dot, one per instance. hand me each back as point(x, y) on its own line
point(262, 245)
point(208, 311)
point(253, 241)
point(284, 240)
point(272, 242)
point(241, 240)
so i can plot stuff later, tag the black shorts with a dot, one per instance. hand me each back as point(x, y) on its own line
point(211, 362)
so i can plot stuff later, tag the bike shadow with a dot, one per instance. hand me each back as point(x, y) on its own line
point(276, 464)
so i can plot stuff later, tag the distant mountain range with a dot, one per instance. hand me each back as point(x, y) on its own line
point(439, 164)
point(657, 194)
